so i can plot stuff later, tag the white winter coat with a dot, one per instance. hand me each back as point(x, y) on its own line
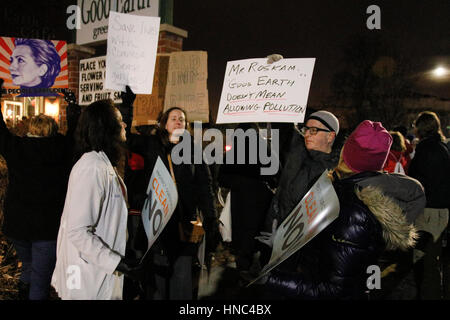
point(92, 234)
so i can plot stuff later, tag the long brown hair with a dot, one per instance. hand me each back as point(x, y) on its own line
point(162, 121)
point(398, 141)
point(99, 129)
point(428, 124)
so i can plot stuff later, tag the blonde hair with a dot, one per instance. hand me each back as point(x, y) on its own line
point(398, 141)
point(43, 126)
point(342, 170)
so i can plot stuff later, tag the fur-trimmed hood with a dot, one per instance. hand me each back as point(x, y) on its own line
point(397, 232)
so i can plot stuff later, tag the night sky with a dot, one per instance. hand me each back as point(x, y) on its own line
point(233, 30)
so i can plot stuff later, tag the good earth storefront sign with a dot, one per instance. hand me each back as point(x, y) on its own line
point(94, 14)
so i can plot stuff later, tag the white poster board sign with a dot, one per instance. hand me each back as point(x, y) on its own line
point(94, 16)
point(92, 82)
point(162, 198)
point(254, 91)
point(131, 52)
point(318, 208)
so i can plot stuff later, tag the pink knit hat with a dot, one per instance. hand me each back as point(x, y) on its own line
point(367, 148)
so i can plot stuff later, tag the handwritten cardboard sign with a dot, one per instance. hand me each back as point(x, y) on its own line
point(254, 91)
point(131, 52)
point(92, 80)
point(186, 84)
point(33, 67)
point(147, 107)
point(162, 197)
point(318, 208)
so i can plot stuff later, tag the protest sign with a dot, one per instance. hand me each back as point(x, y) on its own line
point(162, 197)
point(92, 79)
point(186, 84)
point(254, 91)
point(148, 106)
point(33, 67)
point(131, 52)
point(94, 15)
point(318, 208)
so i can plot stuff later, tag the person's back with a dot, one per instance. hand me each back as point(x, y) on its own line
point(334, 264)
point(431, 166)
point(38, 170)
point(397, 160)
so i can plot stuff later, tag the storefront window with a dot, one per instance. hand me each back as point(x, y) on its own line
point(14, 108)
point(12, 112)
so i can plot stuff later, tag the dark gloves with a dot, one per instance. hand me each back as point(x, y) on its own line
point(130, 268)
point(128, 96)
point(126, 108)
point(73, 109)
point(69, 96)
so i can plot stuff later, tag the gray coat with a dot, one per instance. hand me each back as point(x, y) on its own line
point(407, 192)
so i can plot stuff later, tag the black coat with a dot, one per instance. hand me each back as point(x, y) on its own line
point(194, 186)
point(431, 166)
point(38, 171)
point(334, 264)
point(301, 171)
point(251, 195)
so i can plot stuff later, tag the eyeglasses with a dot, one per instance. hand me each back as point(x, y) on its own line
point(312, 130)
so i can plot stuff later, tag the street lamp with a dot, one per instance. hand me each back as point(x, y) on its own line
point(439, 72)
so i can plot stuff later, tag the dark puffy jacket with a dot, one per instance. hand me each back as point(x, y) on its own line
point(301, 171)
point(431, 166)
point(334, 264)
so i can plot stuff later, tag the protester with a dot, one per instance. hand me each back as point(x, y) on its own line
point(409, 152)
point(22, 127)
point(38, 170)
point(311, 152)
point(335, 266)
point(431, 166)
point(246, 184)
point(397, 280)
point(92, 236)
point(169, 264)
point(396, 161)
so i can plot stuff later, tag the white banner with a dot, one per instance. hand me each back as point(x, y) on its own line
point(254, 91)
point(94, 16)
point(162, 197)
point(318, 208)
point(131, 52)
point(92, 82)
